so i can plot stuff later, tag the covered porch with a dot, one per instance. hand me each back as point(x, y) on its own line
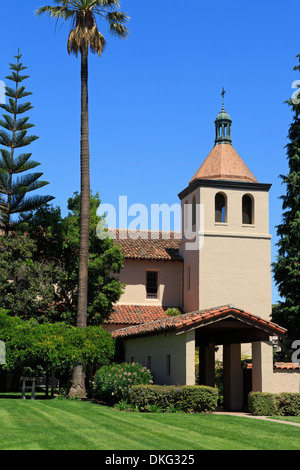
point(167, 346)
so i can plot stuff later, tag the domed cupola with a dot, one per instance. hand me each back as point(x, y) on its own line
point(223, 162)
point(223, 126)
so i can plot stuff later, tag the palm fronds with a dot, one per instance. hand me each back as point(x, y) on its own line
point(84, 28)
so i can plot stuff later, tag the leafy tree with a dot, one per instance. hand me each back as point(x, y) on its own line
point(27, 281)
point(14, 189)
point(53, 345)
point(57, 238)
point(287, 266)
point(85, 35)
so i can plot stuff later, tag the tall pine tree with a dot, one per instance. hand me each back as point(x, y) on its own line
point(286, 269)
point(14, 189)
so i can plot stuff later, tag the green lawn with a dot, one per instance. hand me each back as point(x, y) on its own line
point(74, 425)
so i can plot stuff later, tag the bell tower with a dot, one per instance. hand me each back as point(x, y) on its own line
point(226, 245)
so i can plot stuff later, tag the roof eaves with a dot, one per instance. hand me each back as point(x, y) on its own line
point(199, 319)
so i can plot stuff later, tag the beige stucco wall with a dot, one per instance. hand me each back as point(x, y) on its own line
point(236, 270)
point(189, 251)
point(286, 381)
point(169, 280)
point(234, 260)
point(180, 349)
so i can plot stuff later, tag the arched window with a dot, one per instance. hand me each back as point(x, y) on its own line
point(194, 210)
point(186, 215)
point(220, 208)
point(247, 209)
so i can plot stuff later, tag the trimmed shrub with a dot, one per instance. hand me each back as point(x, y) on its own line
point(263, 404)
point(271, 404)
point(289, 404)
point(190, 399)
point(112, 383)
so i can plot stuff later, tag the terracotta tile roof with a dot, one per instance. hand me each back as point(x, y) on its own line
point(136, 314)
point(195, 319)
point(286, 366)
point(224, 163)
point(141, 244)
point(278, 366)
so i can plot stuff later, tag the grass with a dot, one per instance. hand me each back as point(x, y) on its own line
point(75, 425)
point(292, 419)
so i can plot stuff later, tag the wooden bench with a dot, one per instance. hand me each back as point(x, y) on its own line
point(30, 384)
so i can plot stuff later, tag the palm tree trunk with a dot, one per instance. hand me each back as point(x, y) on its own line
point(78, 381)
point(85, 195)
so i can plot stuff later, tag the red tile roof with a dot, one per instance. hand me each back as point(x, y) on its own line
point(136, 314)
point(278, 366)
point(194, 319)
point(286, 366)
point(151, 245)
point(224, 163)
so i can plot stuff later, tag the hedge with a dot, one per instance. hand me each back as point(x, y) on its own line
point(189, 399)
point(272, 404)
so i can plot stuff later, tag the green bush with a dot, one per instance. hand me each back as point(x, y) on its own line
point(289, 404)
point(271, 404)
point(190, 399)
point(173, 312)
point(263, 404)
point(112, 383)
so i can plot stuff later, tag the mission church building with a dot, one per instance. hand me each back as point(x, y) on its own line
point(219, 279)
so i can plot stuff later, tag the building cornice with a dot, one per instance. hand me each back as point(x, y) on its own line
point(223, 184)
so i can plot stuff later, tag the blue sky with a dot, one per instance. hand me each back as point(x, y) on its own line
point(154, 97)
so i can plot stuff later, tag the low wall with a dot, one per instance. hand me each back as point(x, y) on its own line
point(286, 378)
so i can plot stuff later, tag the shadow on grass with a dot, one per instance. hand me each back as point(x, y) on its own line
point(18, 395)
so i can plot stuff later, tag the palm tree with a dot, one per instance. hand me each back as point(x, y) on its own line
point(85, 36)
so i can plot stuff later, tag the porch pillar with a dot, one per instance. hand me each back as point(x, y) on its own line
point(262, 366)
point(207, 364)
point(190, 357)
point(232, 377)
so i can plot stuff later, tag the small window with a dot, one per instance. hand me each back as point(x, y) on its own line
point(220, 208)
point(248, 216)
point(168, 364)
point(152, 284)
point(188, 280)
point(194, 210)
point(186, 215)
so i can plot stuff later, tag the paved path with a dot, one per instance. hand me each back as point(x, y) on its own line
point(249, 415)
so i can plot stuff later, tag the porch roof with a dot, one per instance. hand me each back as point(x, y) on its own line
point(199, 319)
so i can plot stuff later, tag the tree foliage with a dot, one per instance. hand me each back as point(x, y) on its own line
point(287, 266)
point(53, 345)
point(15, 189)
point(28, 281)
point(57, 238)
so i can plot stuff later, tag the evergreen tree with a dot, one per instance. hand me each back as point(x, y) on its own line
point(14, 189)
point(287, 266)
